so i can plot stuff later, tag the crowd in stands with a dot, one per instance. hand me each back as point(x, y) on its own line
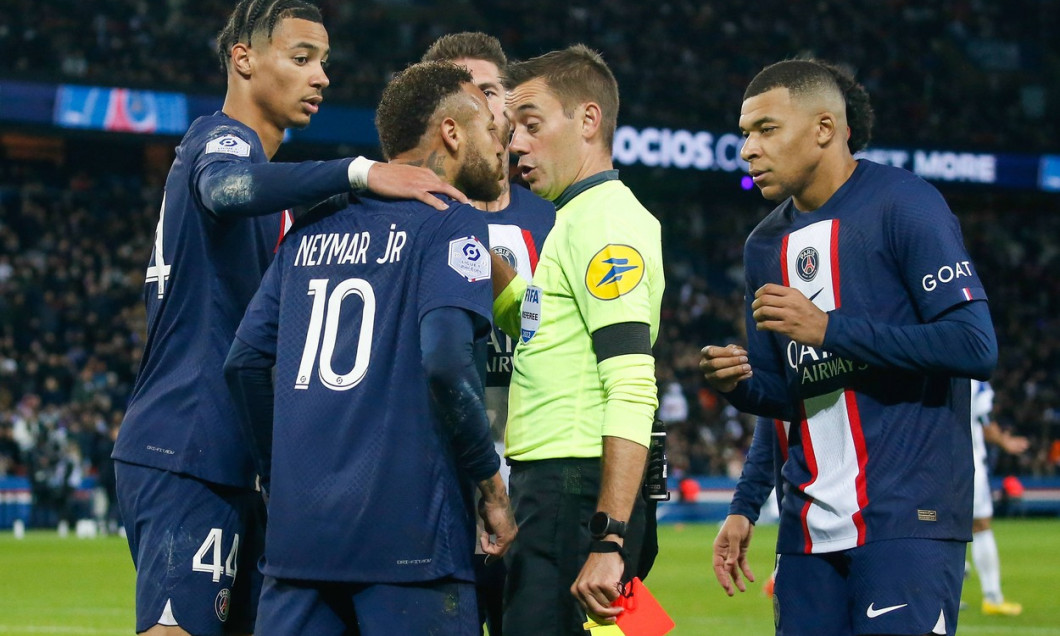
point(75, 239)
point(970, 73)
point(74, 243)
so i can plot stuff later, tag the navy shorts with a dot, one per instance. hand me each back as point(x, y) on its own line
point(898, 586)
point(195, 546)
point(446, 607)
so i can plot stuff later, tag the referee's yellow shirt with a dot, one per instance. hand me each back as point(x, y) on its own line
point(601, 265)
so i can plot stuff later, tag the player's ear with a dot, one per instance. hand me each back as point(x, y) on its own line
point(591, 117)
point(452, 134)
point(828, 129)
point(239, 59)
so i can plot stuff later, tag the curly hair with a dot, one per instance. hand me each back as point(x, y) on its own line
point(472, 45)
point(254, 17)
point(804, 76)
point(411, 100)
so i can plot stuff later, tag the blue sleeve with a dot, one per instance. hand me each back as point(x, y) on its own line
point(756, 479)
point(925, 239)
point(960, 342)
point(248, 369)
point(766, 393)
point(230, 187)
point(447, 339)
point(261, 321)
point(456, 264)
point(248, 373)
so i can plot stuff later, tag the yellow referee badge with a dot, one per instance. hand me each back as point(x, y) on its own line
point(614, 271)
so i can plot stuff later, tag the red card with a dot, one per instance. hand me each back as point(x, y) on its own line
point(642, 615)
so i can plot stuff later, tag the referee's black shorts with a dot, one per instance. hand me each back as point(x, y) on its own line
point(553, 500)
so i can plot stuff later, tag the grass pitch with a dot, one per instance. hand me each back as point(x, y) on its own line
point(75, 586)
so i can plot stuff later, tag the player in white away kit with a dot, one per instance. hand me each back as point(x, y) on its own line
point(984, 547)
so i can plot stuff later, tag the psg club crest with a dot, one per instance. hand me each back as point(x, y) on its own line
point(507, 255)
point(807, 263)
point(221, 604)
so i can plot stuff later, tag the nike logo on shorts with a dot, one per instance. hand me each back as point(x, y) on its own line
point(872, 612)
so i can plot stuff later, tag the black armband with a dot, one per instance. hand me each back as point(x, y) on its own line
point(621, 339)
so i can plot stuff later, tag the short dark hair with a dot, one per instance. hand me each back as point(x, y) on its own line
point(576, 75)
point(252, 17)
point(473, 45)
point(410, 101)
point(802, 77)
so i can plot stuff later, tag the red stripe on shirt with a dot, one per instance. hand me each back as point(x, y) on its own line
point(835, 261)
point(811, 463)
point(286, 222)
point(783, 261)
point(862, 452)
point(531, 249)
point(782, 437)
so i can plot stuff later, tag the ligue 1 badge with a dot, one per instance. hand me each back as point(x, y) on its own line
point(221, 604)
point(531, 314)
point(807, 263)
point(469, 258)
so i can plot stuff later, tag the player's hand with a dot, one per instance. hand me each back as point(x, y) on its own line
point(402, 181)
point(1014, 444)
point(730, 553)
point(598, 585)
point(498, 520)
point(724, 367)
point(788, 311)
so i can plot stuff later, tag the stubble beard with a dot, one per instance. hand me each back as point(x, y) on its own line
point(477, 179)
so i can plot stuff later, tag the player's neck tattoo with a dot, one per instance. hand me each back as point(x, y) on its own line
point(436, 163)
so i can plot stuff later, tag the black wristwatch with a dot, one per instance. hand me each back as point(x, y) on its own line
point(601, 524)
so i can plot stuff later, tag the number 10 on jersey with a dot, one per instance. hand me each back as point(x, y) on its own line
point(323, 331)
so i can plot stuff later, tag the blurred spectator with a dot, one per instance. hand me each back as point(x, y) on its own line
point(75, 241)
point(10, 452)
point(967, 72)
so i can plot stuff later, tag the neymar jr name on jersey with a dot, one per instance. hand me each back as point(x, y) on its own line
point(347, 248)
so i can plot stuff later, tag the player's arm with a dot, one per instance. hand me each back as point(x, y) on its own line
point(752, 379)
point(447, 343)
point(757, 477)
point(248, 368)
point(248, 373)
point(960, 342)
point(231, 188)
point(508, 290)
point(1012, 444)
point(956, 336)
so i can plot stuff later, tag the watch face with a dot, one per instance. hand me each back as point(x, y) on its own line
point(598, 524)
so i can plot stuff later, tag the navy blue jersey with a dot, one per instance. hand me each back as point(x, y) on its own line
point(517, 234)
point(365, 485)
point(874, 453)
point(204, 269)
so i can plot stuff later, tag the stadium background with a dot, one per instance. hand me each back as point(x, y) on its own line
point(94, 96)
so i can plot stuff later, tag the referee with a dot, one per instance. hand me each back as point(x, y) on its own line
point(583, 392)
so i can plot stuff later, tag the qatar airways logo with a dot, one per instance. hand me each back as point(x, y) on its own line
point(666, 148)
point(946, 274)
point(816, 365)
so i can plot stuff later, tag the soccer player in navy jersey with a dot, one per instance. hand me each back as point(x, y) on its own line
point(518, 222)
point(185, 478)
point(865, 318)
point(372, 321)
